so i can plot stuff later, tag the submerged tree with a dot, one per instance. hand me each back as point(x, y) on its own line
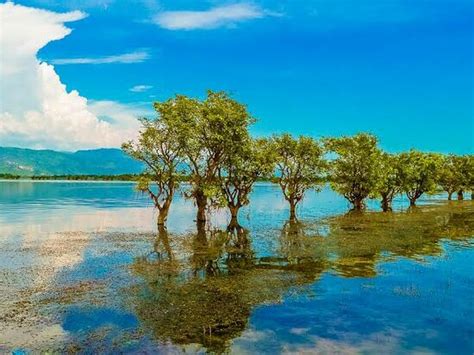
point(204, 129)
point(158, 149)
point(299, 166)
point(465, 169)
point(419, 173)
point(355, 171)
point(450, 176)
point(389, 180)
point(469, 174)
point(244, 163)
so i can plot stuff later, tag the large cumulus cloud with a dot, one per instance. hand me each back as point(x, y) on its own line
point(36, 110)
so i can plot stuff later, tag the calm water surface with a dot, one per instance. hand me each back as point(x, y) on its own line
point(84, 269)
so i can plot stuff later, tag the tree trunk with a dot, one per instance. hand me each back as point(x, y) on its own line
point(460, 195)
point(163, 239)
point(386, 204)
point(201, 236)
point(412, 199)
point(238, 235)
point(163, 215)
point(358, 204)
point(450, 195)
point(293, 210)
point(201, 203)
point(234, 212)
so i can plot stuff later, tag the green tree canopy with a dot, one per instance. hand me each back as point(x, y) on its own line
point(465, 172)
point(450, 176)
point(243, 164)
point(299, 166)
point(469, 175)
point(419, 173)
point(205, 130)
point(159, 150)
point(354, 172)
point(389, 179)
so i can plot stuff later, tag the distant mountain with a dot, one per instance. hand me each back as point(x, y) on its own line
point(29, 162)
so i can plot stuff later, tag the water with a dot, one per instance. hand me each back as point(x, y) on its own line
point(83, 269)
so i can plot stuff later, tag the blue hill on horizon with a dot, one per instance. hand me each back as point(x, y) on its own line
point(102, 161)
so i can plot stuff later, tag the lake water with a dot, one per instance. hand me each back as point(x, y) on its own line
point(84, 269)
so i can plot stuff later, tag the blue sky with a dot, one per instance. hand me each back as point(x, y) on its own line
point(400, 69)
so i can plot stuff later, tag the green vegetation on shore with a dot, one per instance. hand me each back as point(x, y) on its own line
point(9, 177)
point(121, 177)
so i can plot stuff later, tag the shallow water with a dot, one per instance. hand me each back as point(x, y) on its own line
point(83, 269)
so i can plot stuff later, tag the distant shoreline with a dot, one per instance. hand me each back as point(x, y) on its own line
point(68, 181)
point(105, 178)
point(86, 178)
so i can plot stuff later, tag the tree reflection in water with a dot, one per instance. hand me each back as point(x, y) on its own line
point(203, 291)
point(360, 242)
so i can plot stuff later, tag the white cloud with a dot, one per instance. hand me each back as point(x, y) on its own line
point(126, 114)
point(141, 88)
point(67, 120)
point(126, 58)
point(36, 110)
point(215, 17)
point(23, 32)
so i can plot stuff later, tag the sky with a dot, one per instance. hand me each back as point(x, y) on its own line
point(76, 74)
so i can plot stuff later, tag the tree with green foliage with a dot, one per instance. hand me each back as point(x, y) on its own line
point(9, 176)
point(159, 150)
point(389, 180)
point(300, 165)
point(450, 176)
point(465, 170)
point(355, 171)
point(205, 129)
point(419, 173)
point(469, 175)
point(243, 164)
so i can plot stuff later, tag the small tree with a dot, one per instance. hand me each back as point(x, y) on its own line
point(389, 182)
point(158, 149)
point(450, 177)
point(299, 166)
point(243, 165)
point(465, 169)
point(355, 171)
point(419, 173)
point(182, 116)
point(469, 174)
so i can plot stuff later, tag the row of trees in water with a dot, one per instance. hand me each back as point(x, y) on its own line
point(207, 143)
